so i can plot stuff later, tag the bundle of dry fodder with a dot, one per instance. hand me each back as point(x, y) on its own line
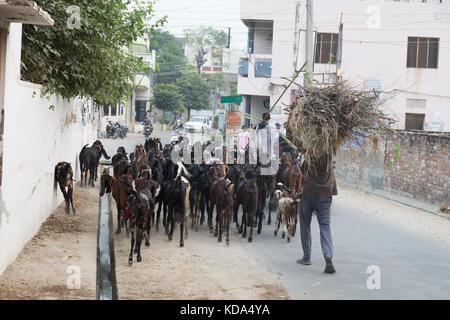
point(323, 118)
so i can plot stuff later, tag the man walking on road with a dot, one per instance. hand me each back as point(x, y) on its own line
point(319, 185)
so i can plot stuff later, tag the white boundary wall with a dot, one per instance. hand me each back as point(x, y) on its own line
point(35, 140)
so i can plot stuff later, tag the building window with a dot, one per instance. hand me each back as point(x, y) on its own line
point(422, 52)
point(326, 47)
point(414, 121)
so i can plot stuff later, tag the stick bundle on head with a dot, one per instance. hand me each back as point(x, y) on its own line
point(326, 117)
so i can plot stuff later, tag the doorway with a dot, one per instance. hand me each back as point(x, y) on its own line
point(140, 110)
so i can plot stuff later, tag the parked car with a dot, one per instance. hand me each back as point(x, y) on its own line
point(197, 124)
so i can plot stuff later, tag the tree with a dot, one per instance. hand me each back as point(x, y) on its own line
point(167, 97)
point(88, 60)
point(205, 38)
point(170, 57)
point(195, 91)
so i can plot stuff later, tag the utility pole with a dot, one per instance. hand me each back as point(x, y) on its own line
point(297, 34)
point(339, 48)
point(309, 39)
point(229, 38)
point(215, 96)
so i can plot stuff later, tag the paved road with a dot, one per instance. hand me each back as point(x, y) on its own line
point(413, 265)
point(401, 241)
point(132, 140)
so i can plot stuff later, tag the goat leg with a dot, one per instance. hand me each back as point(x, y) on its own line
point(130, 258)
point(235, 215)
point(260, 219)
point(66, 198)
point(183, 214)
point(147, 234)
point(202, 208)
point(221, 224)
point(192, 214)
point(71, 198)
point(171, 220)
point(277, 224)
point(243, 228)
point(158, 213)
point(250, 237)
point(210, 218)
point(138, 244)
point(269, 220)
point(119, 216)
point(295, 220)
point(197, 217)
point(186, 224)
point(92, 176)
point(227, 224)
point(165, 219)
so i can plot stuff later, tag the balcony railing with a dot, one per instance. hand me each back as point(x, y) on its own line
point(263, 69)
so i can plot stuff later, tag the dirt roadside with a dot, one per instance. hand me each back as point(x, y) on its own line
point(204, 269)
point(41, 269)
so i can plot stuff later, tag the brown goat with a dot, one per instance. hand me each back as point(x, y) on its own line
point(120, 188)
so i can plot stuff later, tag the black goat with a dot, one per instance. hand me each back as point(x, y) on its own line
point(64, 177)
point(175, 197)
point(140, 203)
point(89, 161)
point(121, 155)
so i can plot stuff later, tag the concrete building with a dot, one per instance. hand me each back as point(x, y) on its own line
point(34, 137)
point(219, 60)
point(135, 109)
point(140, 98)
point(398, 48)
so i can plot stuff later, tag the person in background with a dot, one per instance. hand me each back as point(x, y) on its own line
point(264, 125)
point(319, 186)
point(278, 139)
point(283, 130)
point(147, 121)
point(244, 141)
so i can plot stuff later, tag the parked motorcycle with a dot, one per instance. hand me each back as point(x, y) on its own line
point(111, 129)
point(115, 130)
point(124, 128)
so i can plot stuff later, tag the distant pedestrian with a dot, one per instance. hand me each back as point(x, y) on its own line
point(277, 139)
point(244, 141)
point(319, 186)
point(263, 133)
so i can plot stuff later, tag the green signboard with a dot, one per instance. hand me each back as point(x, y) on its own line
point(231, 99)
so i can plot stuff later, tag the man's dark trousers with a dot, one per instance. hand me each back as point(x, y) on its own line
point(309, 204)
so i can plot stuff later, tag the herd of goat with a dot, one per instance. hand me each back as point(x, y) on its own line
point(148, 181)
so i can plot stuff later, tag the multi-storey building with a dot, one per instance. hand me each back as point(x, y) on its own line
point(400, 49)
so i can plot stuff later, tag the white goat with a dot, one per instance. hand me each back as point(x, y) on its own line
point(286, 214)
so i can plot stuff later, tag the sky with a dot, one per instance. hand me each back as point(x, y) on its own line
point(220, 14)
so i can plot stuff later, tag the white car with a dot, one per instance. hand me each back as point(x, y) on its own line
point(197, 123)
